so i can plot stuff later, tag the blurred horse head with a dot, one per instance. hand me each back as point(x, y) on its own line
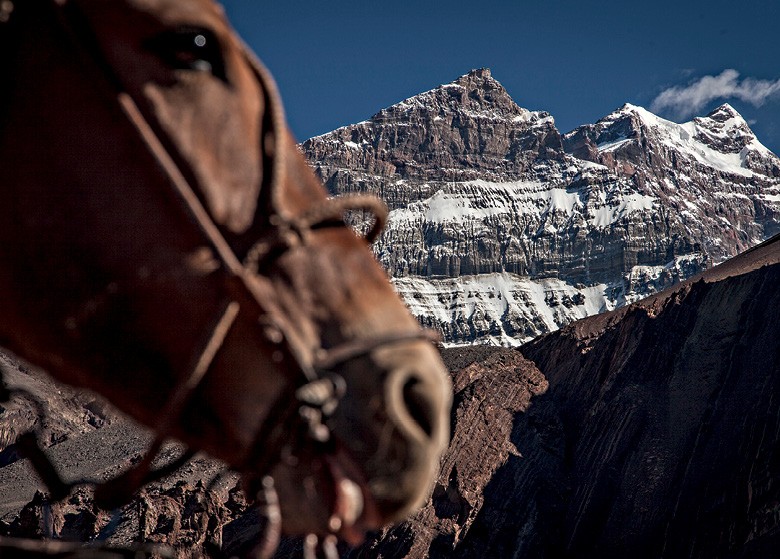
point(163, 241)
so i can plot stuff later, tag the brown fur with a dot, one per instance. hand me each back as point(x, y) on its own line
point(106, 282)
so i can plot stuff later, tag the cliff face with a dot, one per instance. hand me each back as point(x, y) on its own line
point(484, 192)
point(657, 437)
point(672, 422)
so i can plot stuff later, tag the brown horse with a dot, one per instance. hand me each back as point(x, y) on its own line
point(163, 242)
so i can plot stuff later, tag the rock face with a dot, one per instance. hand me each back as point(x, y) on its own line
point(483, 191)
point(658, 436)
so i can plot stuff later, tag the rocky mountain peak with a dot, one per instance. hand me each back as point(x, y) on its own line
point(475, 95)
point(725, 130)
point(481, 91)
point(725, 113)
point(629, 120)
point(479, 73)
point(627, 110)
point(468, 129)
point(479, 78)
point(634, 139)
point(622, 126)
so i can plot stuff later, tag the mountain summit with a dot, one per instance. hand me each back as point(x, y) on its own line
point(477, 94)
point(502, 228)
point(639, 140)
point(468, 129)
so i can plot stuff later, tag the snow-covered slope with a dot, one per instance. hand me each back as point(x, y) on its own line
point(506, 309)
point(712, 174)
point(502, 228)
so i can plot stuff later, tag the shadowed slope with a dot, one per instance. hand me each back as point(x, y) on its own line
point(670, 418)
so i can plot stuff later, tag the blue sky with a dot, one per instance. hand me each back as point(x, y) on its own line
point(340, 62)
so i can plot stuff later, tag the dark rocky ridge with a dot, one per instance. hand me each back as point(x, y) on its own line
point(480, 186)
point(659, 435)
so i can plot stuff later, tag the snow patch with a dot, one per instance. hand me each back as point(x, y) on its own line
point(608, 214)
point(502, 303)
point(613, 145)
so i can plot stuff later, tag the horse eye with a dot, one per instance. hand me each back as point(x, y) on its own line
point(189, 48)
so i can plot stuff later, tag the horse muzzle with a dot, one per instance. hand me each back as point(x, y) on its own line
point(388, 434)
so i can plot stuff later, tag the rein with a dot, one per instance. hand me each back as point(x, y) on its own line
point(314, 390)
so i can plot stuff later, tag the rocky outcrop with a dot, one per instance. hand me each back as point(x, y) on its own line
point(658, 435)
point(180, 517)
point(88, 439)
point(482, 190)
point(64, 412)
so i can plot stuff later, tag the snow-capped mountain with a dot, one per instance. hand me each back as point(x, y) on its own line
point(502, 228)
point(715, 176)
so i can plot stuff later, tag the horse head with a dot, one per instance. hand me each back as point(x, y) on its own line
point(161, 237)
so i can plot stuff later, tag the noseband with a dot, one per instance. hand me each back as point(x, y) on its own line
point(314, 389)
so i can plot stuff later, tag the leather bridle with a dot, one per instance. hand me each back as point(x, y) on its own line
point(314, 389)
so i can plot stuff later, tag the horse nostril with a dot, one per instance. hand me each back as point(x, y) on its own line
point(418, 406)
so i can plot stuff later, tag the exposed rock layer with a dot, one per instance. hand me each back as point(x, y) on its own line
point(492, 386)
